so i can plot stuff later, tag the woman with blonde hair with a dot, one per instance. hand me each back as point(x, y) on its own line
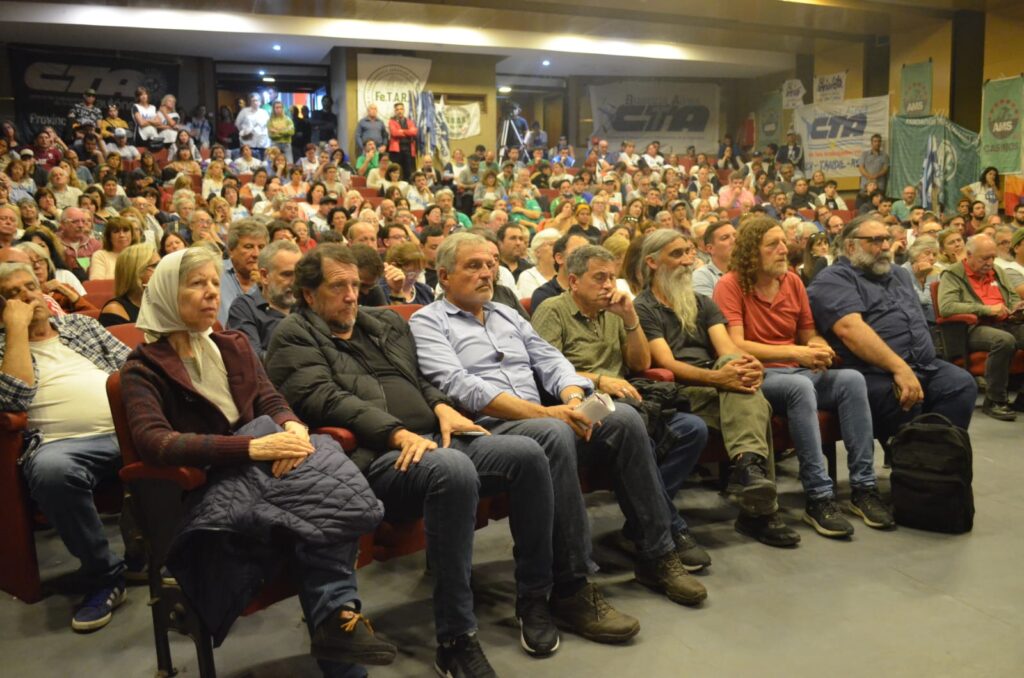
point(222, 217)
point(134, 267)
point(213, 182)
point(951, 249)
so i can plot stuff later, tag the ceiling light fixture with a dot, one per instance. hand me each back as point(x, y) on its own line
point(545, 63)
point(277, 48)
point(269, 79)
point(262, 72)
point(504, 89)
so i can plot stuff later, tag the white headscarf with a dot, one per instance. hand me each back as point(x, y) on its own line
point(160, 316)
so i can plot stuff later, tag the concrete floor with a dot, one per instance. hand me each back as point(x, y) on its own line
point(903, 603)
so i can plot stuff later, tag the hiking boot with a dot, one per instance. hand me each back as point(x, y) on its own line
point(537, 632)
point(750, 486)
point(769, 529)
point(824, 516)
point(588, 614)
point(97, 609)
point(867, 503)
point(691, 555)
point(347, 641)
point(463, 658)
point(1000, 411)
point(667, 575)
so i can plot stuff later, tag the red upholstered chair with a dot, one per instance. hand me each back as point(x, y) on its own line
point(367, 192)
point(527, 304)
point(19, 568)
point(128, 334)
point(954, 330)
point(358, 181)
point(806, 213)
point(99, 292)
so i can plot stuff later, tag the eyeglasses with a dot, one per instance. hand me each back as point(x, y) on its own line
point(876, 239)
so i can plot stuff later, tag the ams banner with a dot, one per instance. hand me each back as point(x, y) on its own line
point(836, 134)
point(49, 81)
point(1001, 129)
point(677, 114)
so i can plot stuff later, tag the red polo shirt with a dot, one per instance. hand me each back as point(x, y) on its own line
point(985, 286)
point(767, 322)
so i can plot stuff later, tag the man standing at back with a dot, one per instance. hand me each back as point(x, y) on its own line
point(403, 133)
point(372, 128)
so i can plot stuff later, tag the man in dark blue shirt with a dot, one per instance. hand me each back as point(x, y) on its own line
point(868, 311)
point(257, 315)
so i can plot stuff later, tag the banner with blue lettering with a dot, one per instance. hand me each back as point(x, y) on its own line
point(678, 114)
point(48, 81)
point(835, 135)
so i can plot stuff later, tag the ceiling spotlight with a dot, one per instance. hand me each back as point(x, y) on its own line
point(262, 72)
point(545, 63)
point(504, 89)
point(277, 48)
point(269, 79)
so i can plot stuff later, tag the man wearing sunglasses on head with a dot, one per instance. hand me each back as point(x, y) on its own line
point(867, 309)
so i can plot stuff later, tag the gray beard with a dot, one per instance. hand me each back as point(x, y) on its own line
point(676, 287)
point(874, 265)
point(281, 299)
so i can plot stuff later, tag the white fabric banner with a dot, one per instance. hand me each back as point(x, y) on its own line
point(793, 94)
point(385, 80)
point(829, 88)
point(836, 134)
point(677, 114)
point(463, 120)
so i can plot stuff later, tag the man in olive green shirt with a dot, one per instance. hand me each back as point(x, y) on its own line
point(597, 329)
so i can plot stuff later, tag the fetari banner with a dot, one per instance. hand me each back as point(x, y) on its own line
point(463, 120)
point(678, 114)
point(793, 94)
point(830, 88)
point(769, 120)
point(1001, 129)
point(934, 154)
point(916, 89)
point(48, 81)
point(386, 80)
point(835, 135)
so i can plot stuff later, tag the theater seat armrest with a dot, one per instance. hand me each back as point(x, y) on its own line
point(966, 318)
point(345, 438)
point(185, 477)
point(13, 421)
point(656, 374)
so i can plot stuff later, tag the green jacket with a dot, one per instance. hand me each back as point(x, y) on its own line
point(956, 295)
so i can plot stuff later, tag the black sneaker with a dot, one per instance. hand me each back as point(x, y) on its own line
point(691, 555)
point(824, 516)
point(750, 486)
point(350, 640)
point(463, 658)
point(769, 529)
point(1000, 411)
point(537, 632)
point(868, 504)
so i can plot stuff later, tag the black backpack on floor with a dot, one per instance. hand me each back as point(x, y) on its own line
point(932, 470)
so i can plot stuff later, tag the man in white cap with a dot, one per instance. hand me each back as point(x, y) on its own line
point(121, 146)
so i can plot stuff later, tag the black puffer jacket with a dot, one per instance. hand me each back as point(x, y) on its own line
point(327, 384)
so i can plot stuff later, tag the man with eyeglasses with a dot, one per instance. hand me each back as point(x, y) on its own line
point(869, 313)
point(75, 235)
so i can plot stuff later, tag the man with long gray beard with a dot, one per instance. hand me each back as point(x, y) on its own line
point(687, 335)
point(257, 316)
point(869, 313)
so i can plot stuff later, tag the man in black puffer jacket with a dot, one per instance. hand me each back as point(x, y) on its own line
point(341, 365)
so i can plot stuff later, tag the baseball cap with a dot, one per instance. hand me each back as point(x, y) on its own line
point(120, 132)
point(27, 153)
point(89, 92)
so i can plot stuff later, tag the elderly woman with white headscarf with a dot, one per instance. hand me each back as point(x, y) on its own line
point(200, 398)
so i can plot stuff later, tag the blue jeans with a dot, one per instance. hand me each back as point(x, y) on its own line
point(948, 390)
point(61, 477)
point(444, 488)
point(692, 435)
point(797, 393)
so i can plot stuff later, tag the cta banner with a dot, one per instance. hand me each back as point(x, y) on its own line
point(48, 81)
point(769, 120)
point(835, 135)
point(916, 89)
point(677, 114)
point(934, 154)
point(830, 88)
point(386, 80)
point(1001, 129)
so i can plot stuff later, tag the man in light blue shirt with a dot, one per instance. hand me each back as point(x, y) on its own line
point(719, 242)
point(492, 364)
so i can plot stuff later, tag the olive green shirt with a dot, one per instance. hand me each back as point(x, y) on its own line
point(590, 345)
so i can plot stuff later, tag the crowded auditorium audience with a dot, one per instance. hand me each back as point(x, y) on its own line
point(525, 279)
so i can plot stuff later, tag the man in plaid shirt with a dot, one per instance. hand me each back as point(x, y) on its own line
point(55, 369)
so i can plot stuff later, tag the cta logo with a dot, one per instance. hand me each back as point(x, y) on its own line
point(838, 126)
point(45, 76)
point(1003, 118)
point(660, 118)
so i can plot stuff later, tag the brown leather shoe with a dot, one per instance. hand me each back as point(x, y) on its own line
point(588, 614)
point(667, 575)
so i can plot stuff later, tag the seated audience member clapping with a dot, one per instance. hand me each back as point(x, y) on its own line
point(976, 286)
point(868, 311)
point(55, 368)
point(202, 399)
point(257, 315)
point(135, 265)
point(769, 316)
point(117, 236)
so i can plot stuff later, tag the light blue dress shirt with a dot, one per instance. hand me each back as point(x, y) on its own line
point(472, 363)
